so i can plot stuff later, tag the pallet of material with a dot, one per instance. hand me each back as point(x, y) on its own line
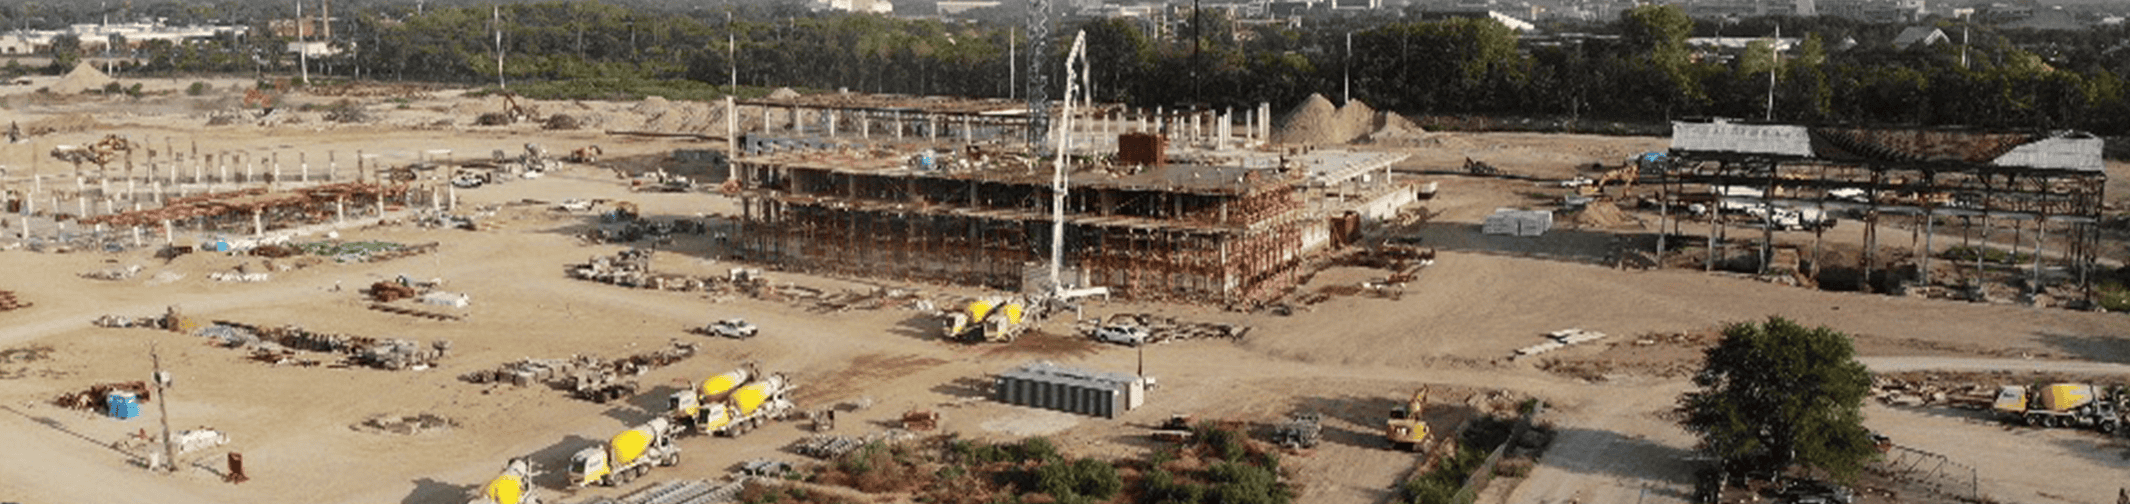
point(9, 302)
point(418, 313)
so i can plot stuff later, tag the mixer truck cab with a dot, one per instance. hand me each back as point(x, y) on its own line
point(687, 406)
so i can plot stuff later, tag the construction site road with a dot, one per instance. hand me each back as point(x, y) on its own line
point(1618, 451)
point(1894, 364)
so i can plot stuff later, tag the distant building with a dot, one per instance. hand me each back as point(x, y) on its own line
point(1505, 20)
point(1876, 11)
point(860, 6)
point(1919, 35)
point(1357, 4)
point(2046, 19)
point(953, 7)
point(1717, 9)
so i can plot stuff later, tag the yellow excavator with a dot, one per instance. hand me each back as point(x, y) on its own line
point(1406, 430)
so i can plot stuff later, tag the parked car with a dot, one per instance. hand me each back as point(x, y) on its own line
point(732, 328)
point(1806, 491)
point(1121, 334)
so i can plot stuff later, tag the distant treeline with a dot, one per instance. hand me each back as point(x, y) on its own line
point(1641, 69)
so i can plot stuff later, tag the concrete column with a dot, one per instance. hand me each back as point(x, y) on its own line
point(130, 194)
point(159, 193)
point(332, 165)
point(275, 177)
point(898, 125)
point(865, 125)
point(452, 197)
point(136, 236)
point(169, 233)
point(221, 166)
point(798, 127)
point(248, 173)
point(81, 202)
point(303, 162)
point(765, 119)
point(340, 210)
point(931, 127)
point(258, 222)
point(831, 123)
point(732, 127)
point(968, 134)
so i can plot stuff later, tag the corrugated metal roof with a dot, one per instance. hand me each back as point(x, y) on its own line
point(1776, 139)
point(2065, 150)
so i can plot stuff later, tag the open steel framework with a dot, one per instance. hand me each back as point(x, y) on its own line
point(2048, 179)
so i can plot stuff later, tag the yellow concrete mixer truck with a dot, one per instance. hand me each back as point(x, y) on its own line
point(734, 403)
point(626, 457)
point(2062, 405)
point(514, 486)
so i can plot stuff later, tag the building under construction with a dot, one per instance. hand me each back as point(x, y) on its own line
point(2032, 180)
point(1214, 229)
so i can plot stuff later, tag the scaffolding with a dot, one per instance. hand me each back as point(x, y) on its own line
point(1183, 232)
point(2040, 180)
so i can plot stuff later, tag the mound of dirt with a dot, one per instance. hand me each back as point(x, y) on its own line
point(652, 106)
point(404, 425)
point(1603, 215)
point(1312, 122)
point(61, 124)
point(1392, 128)
point(84, 77)
point(783, 93)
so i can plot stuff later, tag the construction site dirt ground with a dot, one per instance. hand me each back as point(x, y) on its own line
point(1349, 357)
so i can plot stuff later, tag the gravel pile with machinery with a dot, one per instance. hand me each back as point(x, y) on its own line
point(1164, 329)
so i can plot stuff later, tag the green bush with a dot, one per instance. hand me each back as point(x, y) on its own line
point(1038, 449)
point(198, 88)
point(2113, 296)
point(1081, 478)
point(1988, 254)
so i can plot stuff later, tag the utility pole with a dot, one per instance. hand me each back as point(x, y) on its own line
point(1346, 82)
point(162, 403)
point(732, 54)
point(497, 19)
point(303, 52)
point(1774, 57)
point(1012, 58)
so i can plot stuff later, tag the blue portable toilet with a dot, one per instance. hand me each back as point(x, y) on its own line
point(221, 246)
point(123, 405)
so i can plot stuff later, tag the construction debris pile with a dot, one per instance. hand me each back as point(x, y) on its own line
point(1164, 329)
point(404, 425)
point(829, 446)
point(361, 252)
point(632, 268)
point(281, 345)
point(637, 229)
point(9, 302)
point(120, 273)
point(1301, 431)
point(93, 398)
point(1561, 339)
point(587, 377)
point(683, 492)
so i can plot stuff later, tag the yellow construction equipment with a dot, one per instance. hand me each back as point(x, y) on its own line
point(734, 403)
point(514, 486)
point(1406, 430)
point(628, 456)
point(989, 320)
point(2062, 405)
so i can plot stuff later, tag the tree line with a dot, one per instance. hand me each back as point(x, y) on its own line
point(1637, 67)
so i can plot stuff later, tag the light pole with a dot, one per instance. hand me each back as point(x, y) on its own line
point(1346, 82)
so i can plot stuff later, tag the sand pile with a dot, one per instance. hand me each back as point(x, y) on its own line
point(1391, 128)
point(1603, 215)
point(783, 93)
point(1317, 122)
point(84, 77)
point(1311, 122)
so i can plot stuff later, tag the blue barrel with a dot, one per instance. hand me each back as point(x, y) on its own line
point(123, 405)
point(925, 160)
point(221, 246)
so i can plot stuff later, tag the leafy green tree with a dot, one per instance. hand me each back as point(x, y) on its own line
point(1777, 393)
point(66, 51)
